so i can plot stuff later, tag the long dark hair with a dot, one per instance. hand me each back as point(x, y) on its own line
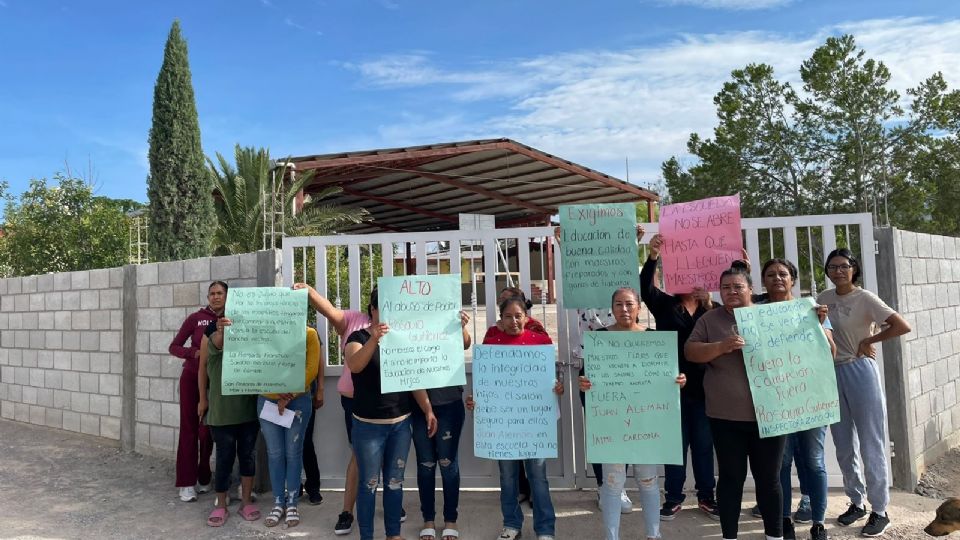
point(792, 268)
point(848, 255)
point(220, 283)
point(374, 302)
point(737, 270)
point(518, 300)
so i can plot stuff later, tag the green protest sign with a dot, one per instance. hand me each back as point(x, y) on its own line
point(790, 367)
point(517, 411)
point(598, 245)
point(265, 349)
point(632, 413)
point(424, 347)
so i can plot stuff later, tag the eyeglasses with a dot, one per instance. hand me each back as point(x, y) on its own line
point(835, 267)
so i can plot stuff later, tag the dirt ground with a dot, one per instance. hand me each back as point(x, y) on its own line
point(64, 485)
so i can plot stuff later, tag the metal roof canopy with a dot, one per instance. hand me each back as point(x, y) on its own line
point(424, 188)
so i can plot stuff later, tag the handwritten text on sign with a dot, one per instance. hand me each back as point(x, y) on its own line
point(701, 239)
point(599, 252)
point(790, 367)
point(633, 408)
point(424, 347)
point(265, 347)
point(516, 413)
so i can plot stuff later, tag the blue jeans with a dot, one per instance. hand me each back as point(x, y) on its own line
point(442, 449)
point(614, 478)
point(807, 448)
point(544, 519)
point(285, 449)
point(380, 447)
point(696, 436)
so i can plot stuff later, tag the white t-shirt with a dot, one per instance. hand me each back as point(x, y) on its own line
point(854, 316)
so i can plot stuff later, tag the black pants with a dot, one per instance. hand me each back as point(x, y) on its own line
point(310, 467)
point(735, 443)
point(235, 442)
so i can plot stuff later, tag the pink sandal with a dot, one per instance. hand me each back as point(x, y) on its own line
point(218, 517)
point(249, 512)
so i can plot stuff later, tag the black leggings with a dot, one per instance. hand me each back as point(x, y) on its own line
point(735, 443)
point(236, 441)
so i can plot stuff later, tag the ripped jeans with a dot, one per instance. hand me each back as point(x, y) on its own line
point(380, 447)
point(614, 478)
point(285, 449)
point(441, 449)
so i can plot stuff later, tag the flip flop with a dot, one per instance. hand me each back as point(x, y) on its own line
point(429, 534)
point(217, 517)
point(449, 533)
point(249, 512)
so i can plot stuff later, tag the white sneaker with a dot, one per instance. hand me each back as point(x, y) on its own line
point(509, 534)
point(544, 537)
point(188, 494)
point(204, 488)
point(626, 505)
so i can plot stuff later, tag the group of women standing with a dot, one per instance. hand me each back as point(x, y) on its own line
point(716, 414)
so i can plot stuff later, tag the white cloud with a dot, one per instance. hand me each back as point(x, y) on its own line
point(729, 4)
point(292, 23)
point(599, 107)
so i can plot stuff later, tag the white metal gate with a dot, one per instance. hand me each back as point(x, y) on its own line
point(490, 259)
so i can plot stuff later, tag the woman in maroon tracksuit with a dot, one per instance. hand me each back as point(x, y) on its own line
point(193, 463)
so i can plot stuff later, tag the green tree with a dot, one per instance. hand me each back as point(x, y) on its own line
point(182, 219)
point(245, 189)
point(62, 228)
point(846, 143)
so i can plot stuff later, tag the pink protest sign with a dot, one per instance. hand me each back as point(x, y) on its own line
point(701, 239)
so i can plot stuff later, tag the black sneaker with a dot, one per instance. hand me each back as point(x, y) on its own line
point(669, 511)
point(755, 511)
point(817, 532)
point(804, 513)
point(788, 532)
point(315, 498)
point(709, 507)
point(403, 515)
point(344, 524)
point(852, 515)
point(876, 525)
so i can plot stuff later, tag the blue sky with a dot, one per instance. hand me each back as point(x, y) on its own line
point(593, 81)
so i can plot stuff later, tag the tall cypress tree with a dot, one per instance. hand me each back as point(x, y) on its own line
point(180, 189)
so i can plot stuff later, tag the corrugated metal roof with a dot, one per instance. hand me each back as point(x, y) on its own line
point(422, 188)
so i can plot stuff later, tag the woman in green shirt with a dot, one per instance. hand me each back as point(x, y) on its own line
point(233, 421)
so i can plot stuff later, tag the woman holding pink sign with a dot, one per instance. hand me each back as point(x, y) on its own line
point(626, 309)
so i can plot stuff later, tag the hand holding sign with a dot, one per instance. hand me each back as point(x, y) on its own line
point(790, 367)
point(700, 240)
point(423, 345)
point(599, 252)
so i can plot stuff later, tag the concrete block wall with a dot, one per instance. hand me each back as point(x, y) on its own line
point(929, 280)
point(60, 351)
point(166, 294)
point(922, 282)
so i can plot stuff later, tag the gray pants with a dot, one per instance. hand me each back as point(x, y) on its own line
point(863, 420)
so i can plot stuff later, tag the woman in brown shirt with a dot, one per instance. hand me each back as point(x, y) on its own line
point(733, 422)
